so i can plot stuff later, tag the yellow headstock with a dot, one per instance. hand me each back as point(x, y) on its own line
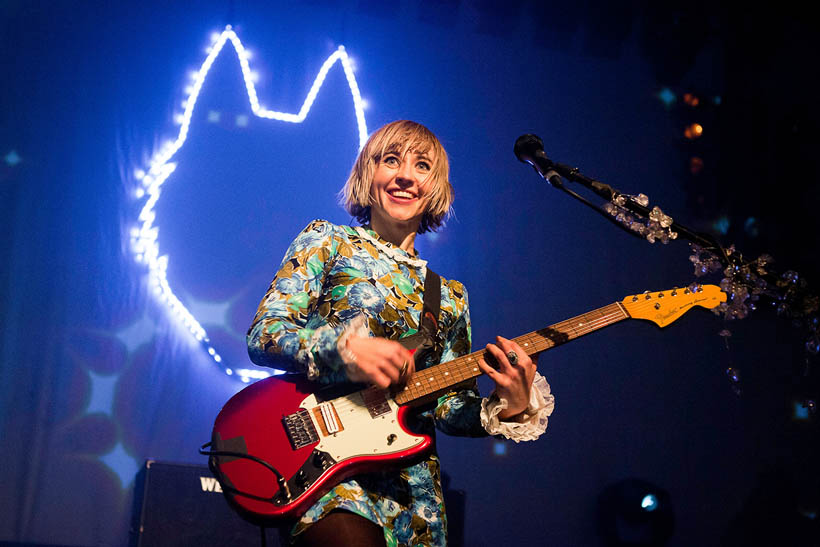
point(664, 307)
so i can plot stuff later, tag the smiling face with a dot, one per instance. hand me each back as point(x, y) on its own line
point(398, 192)
point(401, 173)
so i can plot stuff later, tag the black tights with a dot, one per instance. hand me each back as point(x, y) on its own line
point(342, 529)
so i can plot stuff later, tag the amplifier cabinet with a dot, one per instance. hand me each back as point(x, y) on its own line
point(177, 505)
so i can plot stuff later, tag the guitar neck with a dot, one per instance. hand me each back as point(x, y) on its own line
point(445, 375)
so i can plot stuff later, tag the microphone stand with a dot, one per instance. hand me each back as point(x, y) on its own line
point(743, 281)
point(572, 174)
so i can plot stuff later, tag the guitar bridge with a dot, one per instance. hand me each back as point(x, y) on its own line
point(300, 429)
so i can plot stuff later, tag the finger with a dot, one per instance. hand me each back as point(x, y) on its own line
point(406, 371)
point(407, 357)
point(500, 379)
point(500, 357)
point(403, 361)
point(392, 359)
point(392, 371)
point(487, 369)
point(411, 367)
point(490, 359)
point(397, 353)
point(380, 380)
point(510, 345)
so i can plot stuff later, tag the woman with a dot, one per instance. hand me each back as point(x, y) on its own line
point(336, 309)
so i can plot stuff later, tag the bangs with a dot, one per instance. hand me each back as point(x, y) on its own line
point(400, 143)
point(398, 138)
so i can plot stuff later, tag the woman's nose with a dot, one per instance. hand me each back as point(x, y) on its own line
point(406, 171)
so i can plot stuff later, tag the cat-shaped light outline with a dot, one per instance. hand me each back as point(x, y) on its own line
point(144, 237)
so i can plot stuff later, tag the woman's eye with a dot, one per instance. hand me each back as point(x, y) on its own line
point(423, 166)
point(392, 161)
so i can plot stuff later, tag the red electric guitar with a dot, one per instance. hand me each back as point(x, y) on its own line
point(278, 445)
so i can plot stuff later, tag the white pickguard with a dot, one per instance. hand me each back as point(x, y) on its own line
point(363, 435)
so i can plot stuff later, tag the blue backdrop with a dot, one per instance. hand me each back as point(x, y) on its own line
point(96, 375)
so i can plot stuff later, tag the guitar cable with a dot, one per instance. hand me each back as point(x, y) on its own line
point(213, 454)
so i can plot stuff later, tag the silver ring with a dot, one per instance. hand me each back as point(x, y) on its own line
point(512, 357)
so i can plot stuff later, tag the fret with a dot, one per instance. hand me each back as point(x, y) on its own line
point(445, 375)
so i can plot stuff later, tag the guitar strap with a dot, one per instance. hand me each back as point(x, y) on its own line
point(424, 341)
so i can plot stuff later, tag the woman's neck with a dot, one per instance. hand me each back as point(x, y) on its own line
point(402, 235)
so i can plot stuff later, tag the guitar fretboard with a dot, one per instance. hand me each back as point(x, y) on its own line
point(445, 375)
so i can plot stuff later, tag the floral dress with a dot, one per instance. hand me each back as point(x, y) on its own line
point(338, 280)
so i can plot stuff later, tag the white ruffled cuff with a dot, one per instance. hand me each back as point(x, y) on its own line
point(357, 327)
point(530, 424)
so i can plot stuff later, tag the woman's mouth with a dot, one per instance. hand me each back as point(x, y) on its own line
point(401, 195)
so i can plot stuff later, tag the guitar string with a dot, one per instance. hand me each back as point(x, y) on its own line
point(438, 383)
point(619, 311)
point(459, 365)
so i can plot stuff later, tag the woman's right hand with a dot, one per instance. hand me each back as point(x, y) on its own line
point(378, 361)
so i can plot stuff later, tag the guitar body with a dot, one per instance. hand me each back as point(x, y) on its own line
point(278, 445)
point(313, 442)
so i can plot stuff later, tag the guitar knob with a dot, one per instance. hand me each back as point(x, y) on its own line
point(302, 479)
point(319, 460)
point(391, 438)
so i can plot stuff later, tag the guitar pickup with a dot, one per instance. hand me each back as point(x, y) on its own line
point(300, 429)
point(376, 402)
point(327, 418)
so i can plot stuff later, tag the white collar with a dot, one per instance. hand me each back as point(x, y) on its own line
point(391, 250)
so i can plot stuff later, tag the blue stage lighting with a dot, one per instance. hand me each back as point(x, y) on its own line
point(721, 225)
point(635, 512)
point(649, 502)
point(801, 411)
point(667, 97)
point(12, 158)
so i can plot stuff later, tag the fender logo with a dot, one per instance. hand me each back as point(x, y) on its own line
point(680, 309)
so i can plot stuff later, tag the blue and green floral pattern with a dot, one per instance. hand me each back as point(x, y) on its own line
point(330, 276)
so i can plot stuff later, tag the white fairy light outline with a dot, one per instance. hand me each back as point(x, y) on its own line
point(144, 236)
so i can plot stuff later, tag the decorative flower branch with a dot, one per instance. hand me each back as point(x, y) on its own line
point(744, 281)
point(656, 227)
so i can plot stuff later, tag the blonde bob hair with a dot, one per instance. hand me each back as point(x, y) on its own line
point(397, 138)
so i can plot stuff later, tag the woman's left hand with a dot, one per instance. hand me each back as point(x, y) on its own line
point(513, 382)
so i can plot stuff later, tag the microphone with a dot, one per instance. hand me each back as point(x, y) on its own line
point(530, 149)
